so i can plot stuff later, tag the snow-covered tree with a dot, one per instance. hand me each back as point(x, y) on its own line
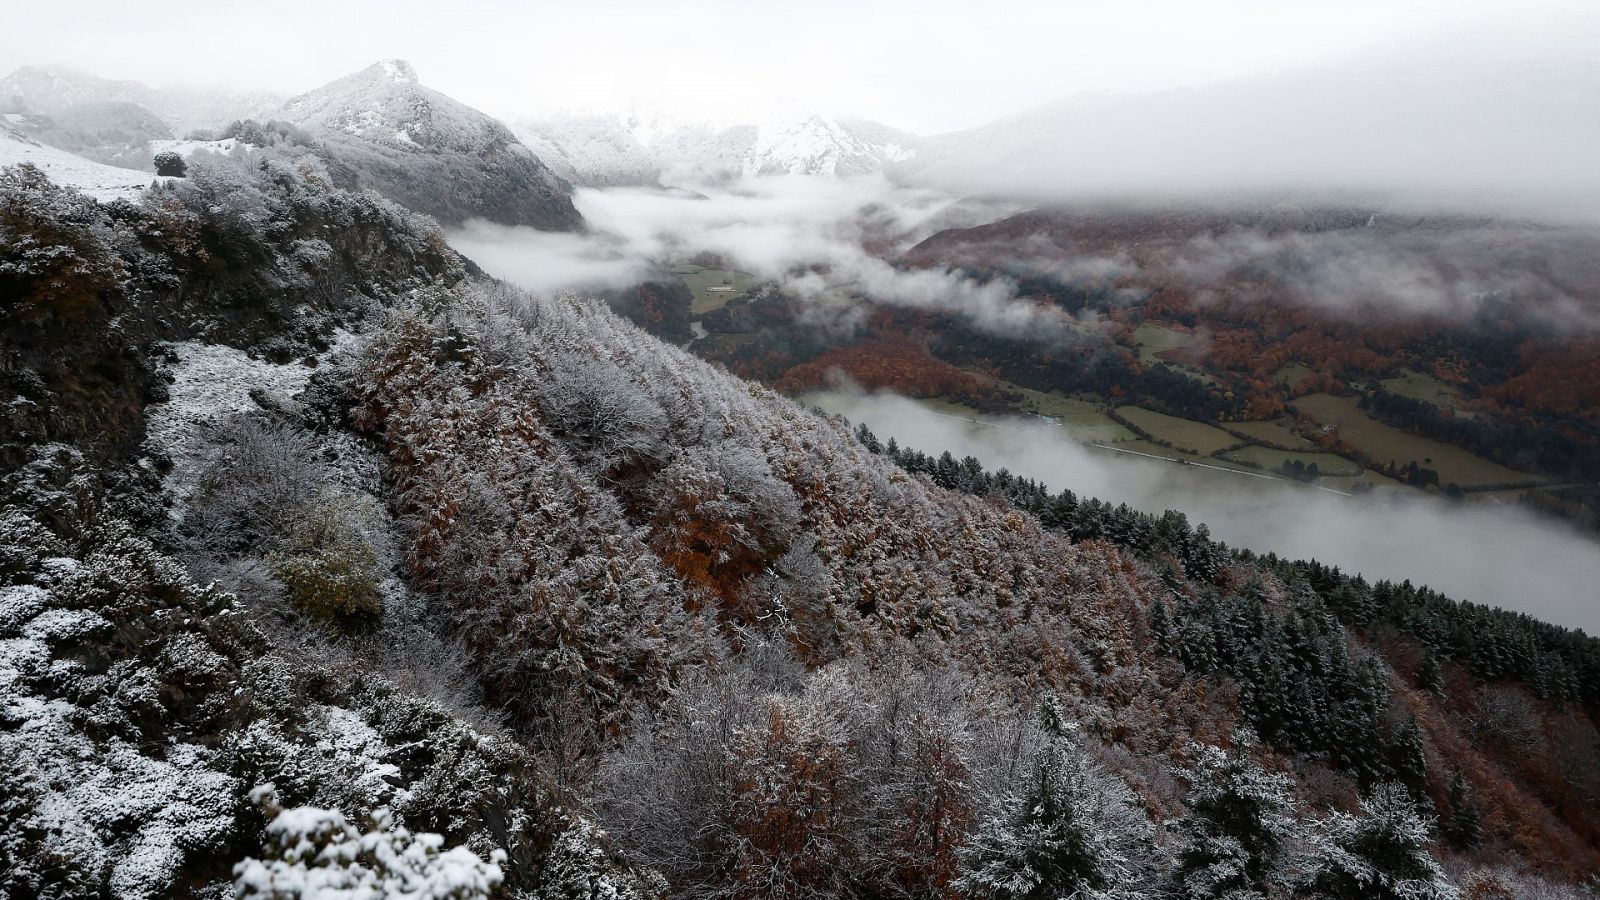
point(1072, 830)
point(578, 868)
point(317, 854)
point(1236, 827)
point(168, 162)
point(1381, 854)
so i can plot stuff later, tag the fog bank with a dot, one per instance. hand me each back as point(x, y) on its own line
point(808, 235)
point(1487, 554)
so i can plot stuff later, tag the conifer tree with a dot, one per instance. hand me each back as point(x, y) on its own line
point(1407, 758)
point(1380, 855)
point(1430, 677)
point(1462, 829)
point(1237, 826)
point(1072, 831)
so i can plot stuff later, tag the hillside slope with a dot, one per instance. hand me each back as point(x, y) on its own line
point(98, 180)
point(490, 560)
point(117, 134)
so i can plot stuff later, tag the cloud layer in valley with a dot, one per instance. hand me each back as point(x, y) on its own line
point(1482, 553)
point(809, 235)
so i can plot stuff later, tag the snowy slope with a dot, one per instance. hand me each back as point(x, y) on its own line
point(691, 145)
point(100, 181)
point(429, 152)
point(113, 132)
point(186, 148)
point(386, 104)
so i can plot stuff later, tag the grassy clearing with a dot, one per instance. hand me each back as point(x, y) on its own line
point(711, 286)
point(1419, 386)
point(1289, 376)
point(1270, 460)
point(1276, 431)
point(1155, 339)
point(713, 344)
point(1086, 421)
point(1186, 434)
point(1385, 444)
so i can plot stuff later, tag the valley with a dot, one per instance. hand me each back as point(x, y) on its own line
point(722, 498)
point(1200, 392)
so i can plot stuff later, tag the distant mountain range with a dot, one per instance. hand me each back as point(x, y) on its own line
point(378, 129)
point(1519, 126)
point(52, 90)
point(1434, 123)
point(685, 146)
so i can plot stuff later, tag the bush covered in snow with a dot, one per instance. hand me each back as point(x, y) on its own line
point(318, 854)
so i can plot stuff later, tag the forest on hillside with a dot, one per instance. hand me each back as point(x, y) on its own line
point(330, 563)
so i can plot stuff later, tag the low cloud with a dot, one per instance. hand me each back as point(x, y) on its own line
point(1451, 271)
point(547, 262)
point(809, 235)
point(1359, 262)
point(1477, 117)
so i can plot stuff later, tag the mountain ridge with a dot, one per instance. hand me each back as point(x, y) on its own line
point(662, 142)
point(430, 152)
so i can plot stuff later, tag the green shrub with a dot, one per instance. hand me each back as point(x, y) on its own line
point(330, 569)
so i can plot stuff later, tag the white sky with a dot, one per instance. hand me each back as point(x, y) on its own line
point(926, 66)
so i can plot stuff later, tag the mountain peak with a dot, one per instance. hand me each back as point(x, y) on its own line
point(395, 71)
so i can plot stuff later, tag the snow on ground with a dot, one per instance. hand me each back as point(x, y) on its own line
point(102, 182)
point(211, 382)
point(100, 803)
point(357, 752)
point(186, 148)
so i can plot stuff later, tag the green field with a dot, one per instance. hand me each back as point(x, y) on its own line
point(1155, 339)
point(700, 282)
point(1152, 449)
point(1289, 376)
point(723, 343)
point(1275, 431)
point(1270, 460)
point(1419, 386)
point(1368, 479)
point(1385, 444)
point(1186, 434)
point(1085, 420)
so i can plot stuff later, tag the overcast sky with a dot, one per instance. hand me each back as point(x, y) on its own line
point(926, 66)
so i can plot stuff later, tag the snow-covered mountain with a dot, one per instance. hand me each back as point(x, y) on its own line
point(693, 145)
point(429, 152)
point(51, 90)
